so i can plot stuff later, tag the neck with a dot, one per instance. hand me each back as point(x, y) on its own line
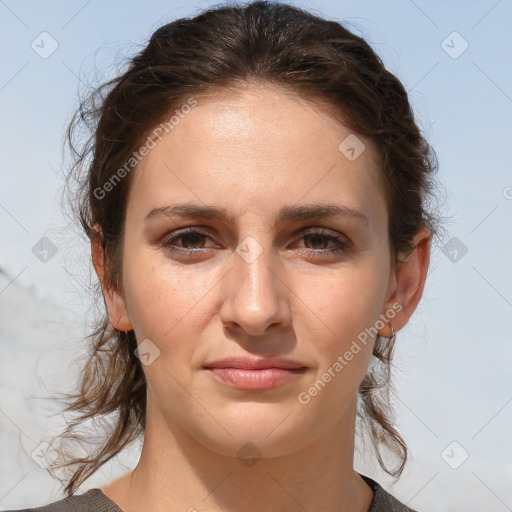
point(177, 472)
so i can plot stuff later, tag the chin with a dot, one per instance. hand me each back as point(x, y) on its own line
point(255, 434)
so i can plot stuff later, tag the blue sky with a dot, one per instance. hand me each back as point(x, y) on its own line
point(454, 357)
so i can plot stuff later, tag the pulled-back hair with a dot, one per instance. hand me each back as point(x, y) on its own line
point(227, 47)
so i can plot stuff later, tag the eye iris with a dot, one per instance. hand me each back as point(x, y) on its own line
point(193, 236)
point(316, 236)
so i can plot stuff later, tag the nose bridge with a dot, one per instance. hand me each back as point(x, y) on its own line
point(255, 266)
point(255, 297)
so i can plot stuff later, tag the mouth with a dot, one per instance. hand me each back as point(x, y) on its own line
point(255, 380)
point(255, 374)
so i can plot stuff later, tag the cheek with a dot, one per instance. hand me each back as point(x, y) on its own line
point(163, 302)
point(336, 336)
point(341, 311)
point(344, 303)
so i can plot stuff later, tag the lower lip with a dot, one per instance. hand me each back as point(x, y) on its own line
point(255, 380)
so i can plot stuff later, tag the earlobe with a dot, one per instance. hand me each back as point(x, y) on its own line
point(117, 312)
point(409, 282)
point(114, 301)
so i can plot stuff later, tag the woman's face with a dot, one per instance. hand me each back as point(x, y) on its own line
point(262, 278)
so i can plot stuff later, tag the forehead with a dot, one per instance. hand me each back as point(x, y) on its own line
point(256, 145)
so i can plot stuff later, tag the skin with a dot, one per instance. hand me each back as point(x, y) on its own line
point(253, 152)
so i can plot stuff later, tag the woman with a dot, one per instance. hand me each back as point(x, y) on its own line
point(256, 198)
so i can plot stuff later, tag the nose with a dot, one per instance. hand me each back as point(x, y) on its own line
point(255, 294)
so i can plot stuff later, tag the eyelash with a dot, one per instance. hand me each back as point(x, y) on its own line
point(341, 247)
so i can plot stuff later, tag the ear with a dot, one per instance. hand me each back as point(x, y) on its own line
point(114, 301)
point(407, 283)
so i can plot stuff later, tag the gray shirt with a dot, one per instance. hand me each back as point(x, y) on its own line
point(95, 501)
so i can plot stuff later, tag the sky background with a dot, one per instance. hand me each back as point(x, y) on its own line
point(454, 377)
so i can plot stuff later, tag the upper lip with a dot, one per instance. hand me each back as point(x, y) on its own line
point(249, 363)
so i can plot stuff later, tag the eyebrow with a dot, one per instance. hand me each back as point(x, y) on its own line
point(286, 214)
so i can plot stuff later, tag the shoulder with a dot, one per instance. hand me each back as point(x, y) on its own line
point(92, 501)
point(95, 501)
point(382, 500)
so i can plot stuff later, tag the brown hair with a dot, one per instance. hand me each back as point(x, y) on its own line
point(220, 48)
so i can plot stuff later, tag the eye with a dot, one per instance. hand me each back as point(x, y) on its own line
point(319, 237)
point(191, 242)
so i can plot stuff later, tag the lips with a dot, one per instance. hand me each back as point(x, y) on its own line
point(249, 374)
point(256, 364)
